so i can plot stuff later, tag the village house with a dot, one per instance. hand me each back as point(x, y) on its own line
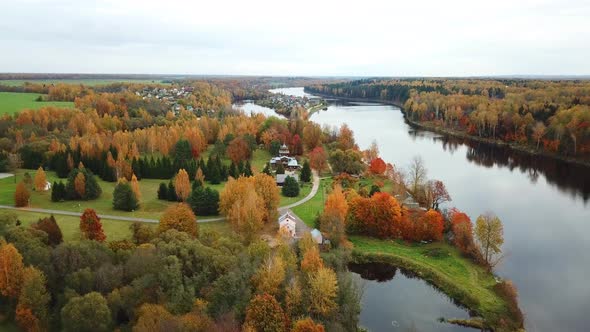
point(287, 224)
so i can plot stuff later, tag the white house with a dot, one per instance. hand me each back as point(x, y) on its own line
point(287, 223)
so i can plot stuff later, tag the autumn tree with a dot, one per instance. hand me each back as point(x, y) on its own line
point(80, 184)
point(200, 177)
point(267, 190)
point(489, 232)
point(332, 221)
point(182, 185)
point(462, 229)
point(50, 226)
point(377, 166)
point(11, 270)
point(378, 216)
point(323, 289)
point(246, 216)
point(21, 195)
point(312, 135)
point(32, 308)
point(238, 150)
point(179, 217)
point(318, 159)
point(86, 313)
point(152, 317)
point(436, 194)
point(270, 276)
point(372, 152)
point(135, 187)
point(264, 314)
point(346, 138)
point(40, 179)
point(538, 132)
point(307, 325)
point(91, 227)
point(431, 225)
point(311, 261)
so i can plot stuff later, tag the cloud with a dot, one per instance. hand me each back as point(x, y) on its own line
point(369, 38)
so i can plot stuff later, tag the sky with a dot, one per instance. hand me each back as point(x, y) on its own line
point(297, 38)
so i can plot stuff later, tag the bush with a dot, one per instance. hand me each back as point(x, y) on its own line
point(291, 187)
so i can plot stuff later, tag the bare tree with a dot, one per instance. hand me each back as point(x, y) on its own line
point(417, 174)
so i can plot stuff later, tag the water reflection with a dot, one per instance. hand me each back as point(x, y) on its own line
point(406, 302)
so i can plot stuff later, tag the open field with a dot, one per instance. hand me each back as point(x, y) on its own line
point(309, 210)
point(151, 206)
point(12, 102)
point(89, 81)
point(441, 265)
point(113, 229)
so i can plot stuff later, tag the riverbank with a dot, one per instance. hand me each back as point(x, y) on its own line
point(460, 134)
point(442, 266)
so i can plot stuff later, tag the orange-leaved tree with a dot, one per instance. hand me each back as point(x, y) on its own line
point(307, 325)
point(40, 180)
point(182, 185)
point(11, 270)
point(135, 187)
point(379, 216)
point(21, 195)
point(180, 217)
point(91, 227)
point(264, 313)
point(378, 166)
point(80, 182)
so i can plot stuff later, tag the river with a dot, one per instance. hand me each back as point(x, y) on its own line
point(543, 204)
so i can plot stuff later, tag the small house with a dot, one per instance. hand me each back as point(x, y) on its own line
point(287, 224)
point(316, 235)
point(284, 150)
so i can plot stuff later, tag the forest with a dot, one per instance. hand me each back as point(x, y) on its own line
point(544, 116)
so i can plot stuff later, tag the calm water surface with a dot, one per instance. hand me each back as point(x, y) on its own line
point(542, 202)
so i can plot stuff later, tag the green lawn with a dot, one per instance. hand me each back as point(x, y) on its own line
point(443, 266)
point(151, 207)
point(12, 102)
point(309, 210)
point(113, 229)
point(304, 190)
point(89, 81)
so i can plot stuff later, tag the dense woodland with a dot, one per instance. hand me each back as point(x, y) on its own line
point(552, 116)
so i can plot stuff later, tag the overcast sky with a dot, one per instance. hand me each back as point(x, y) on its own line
point(257, 37)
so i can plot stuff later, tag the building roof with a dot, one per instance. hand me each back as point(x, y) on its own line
point(285, 216)
point(316, 235)
point(281, 177)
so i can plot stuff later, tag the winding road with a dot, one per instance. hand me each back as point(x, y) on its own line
point(314, 190)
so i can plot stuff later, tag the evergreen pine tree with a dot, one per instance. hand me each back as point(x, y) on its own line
point(136, 168)
point(172, 192)
point(248, 169)
point(233, 170)
point(124, 198)
point(290, 187)
point(306, 172)
point(163, 191)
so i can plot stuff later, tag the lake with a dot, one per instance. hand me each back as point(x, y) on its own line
point(542, 202)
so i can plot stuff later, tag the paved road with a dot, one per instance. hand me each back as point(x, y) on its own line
point(314, 190)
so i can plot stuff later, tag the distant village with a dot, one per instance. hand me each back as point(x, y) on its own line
point(170, 96)
point(285, 104)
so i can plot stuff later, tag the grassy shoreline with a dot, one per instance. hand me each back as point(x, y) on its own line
point(442, 266)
